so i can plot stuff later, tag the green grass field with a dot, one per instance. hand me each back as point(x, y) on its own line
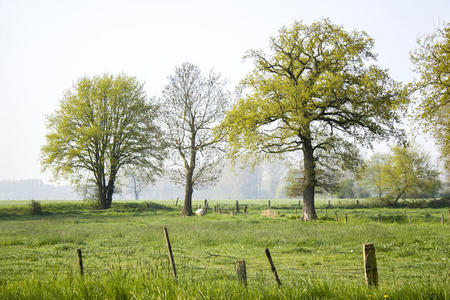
point(125, 256)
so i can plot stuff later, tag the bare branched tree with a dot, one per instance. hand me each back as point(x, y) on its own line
point(192, 104)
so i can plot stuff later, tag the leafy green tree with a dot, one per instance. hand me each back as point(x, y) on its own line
point(408, 172)
point(191, 105)
point(104, 124)
point(375, 173)
point(431, 60)
point(315, 94)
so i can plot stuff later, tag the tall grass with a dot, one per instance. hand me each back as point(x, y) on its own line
point(125, 256)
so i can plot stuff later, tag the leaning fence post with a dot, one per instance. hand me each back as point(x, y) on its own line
point(80, 261)
point(169, 248)
point(370, 265)
point(241, 272)
point(272, 266)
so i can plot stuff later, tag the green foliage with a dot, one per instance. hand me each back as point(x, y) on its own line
point(315, 85)
point(35, 207)
point(405, 172)
point(316, 92)
point(431, 60)
point(103, 125)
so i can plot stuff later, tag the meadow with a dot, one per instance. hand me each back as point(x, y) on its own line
point(125, 254)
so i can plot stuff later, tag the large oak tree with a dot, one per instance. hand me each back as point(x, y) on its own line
point(104, 124)
point(317, 93)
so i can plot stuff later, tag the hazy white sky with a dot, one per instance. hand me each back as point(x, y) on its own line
point(47, 45)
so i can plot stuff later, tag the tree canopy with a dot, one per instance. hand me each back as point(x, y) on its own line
point(431, 60)
point(104, 124)
point(315, 93)
point(404, 172)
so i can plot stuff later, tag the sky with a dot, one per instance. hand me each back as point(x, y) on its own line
point(46, 46)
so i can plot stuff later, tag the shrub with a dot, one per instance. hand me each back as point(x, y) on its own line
point(36, 208)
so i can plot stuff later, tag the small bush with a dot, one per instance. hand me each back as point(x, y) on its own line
point(36, 208)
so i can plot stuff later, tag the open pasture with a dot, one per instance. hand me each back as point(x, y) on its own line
point(125, 255)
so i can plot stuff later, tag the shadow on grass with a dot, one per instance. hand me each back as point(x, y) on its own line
point(82, 210)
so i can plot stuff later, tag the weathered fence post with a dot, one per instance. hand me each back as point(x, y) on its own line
point(272, 266)
point(206, 204)
point(336, 216)
point(176, 202)
point(268, 203)
point(80, 261)
point(370, 265)
point(329, 203)
point(241, 272)
point(237, 206)
point(245, 208)
point(169, 249)
point(346, 220)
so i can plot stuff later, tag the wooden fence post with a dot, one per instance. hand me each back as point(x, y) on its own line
point(268, 203)
point(206, 205)
point(370, 265)
point(336, 216)
point(329, 203)
point(237, 206)
point(80, 261)
point(346, 220)
point(379, 218)
point(241, 272)
point(176, 202)
point(169, 249)
point(442, 219)
point(245, 208)
point(272, 266)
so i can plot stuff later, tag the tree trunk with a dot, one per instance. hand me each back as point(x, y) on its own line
point(188, 190)
point(309, 182)
point(109, 194)
point(102, 202)
point(398, 197)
